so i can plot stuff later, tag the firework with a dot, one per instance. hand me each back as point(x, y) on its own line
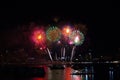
point(76, 37)
point(39, 37)
point(53, 34)
point(66, 31)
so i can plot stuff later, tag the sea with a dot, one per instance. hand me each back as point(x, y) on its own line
point(96, 72)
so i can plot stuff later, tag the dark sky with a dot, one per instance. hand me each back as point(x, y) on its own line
point(101, 18)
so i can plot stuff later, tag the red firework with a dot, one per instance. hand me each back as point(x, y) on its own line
point(38, 37)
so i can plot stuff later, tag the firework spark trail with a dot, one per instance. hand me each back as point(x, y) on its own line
point(64, 52)
point(49, 54)
point(61, 53)
point(72, 53)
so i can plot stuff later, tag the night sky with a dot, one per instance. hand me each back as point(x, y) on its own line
point(100, 18)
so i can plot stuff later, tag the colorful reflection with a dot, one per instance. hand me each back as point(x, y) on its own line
point(76, 77)
point(39, 79)
point(64, 74)
point(67, 73)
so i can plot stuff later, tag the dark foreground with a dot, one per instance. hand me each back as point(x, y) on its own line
point(78, 72)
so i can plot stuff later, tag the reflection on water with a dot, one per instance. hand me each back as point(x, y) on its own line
point(64, 74)
point(98, 73)
point(67, 72)
point(82, 77)
point(86, 73)
point(111, 76)
point(56, 75)
point(38, 79)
